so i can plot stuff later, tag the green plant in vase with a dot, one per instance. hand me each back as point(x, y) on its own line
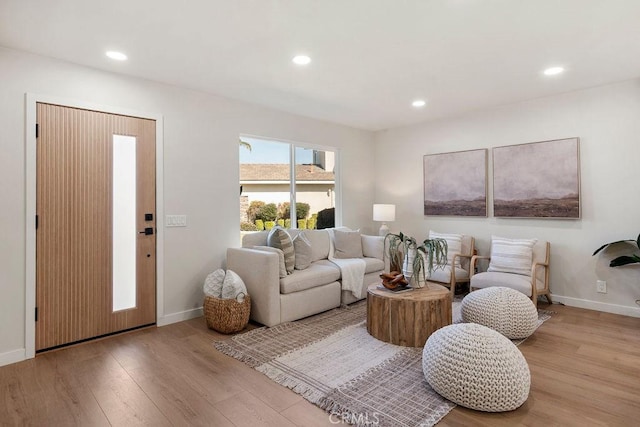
point(416, 261)
point(624, 259)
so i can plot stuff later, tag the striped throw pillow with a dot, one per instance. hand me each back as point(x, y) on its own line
point(511, 255)
point(454, 245)
point(279, 238)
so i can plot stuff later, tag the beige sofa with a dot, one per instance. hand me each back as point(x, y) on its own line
point(276, 299)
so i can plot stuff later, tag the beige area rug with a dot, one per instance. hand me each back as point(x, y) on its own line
point(333, 362)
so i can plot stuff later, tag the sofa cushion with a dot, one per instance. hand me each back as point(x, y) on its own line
point(373, 265)
point(279, 238)
point(283, 269)
point(318, 273)
point(319, 240)
point(258, 238)
point(514, 281)
point(303, 250)
point(443, 275)
point(511, 255)
point(373, 246)
point(454, 244)
point(348, 244)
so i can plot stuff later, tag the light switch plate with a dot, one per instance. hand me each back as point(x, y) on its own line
point(176, 221)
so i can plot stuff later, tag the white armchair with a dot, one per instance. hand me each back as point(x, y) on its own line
point(522, 265)
point(457, 270)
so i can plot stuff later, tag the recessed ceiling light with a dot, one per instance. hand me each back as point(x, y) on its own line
point(419, 103)
point(301, 59)
point(553, 71)
point(118, 56)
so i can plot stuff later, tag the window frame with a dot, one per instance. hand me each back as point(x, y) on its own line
point(337, 185)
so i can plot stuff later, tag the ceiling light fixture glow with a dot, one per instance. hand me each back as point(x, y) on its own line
point(118, 56)
point(419, 103)
point(301, 60)
point(553, 71)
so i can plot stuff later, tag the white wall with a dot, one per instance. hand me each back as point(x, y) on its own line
point(200, 164)
point(607, 121)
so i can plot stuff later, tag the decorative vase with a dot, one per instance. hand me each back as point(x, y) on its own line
point(416, 280)
point(420, 278)
point(407, 266)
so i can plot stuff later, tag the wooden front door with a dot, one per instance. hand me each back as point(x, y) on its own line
point(96, 224)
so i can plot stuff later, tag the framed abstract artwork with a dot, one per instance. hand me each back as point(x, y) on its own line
point(455, 184)
point(537, 180)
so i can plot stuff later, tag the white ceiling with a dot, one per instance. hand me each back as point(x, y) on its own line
point(370, 58)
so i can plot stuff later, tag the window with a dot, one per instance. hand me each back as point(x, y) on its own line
point(276, 175)
point(124, 229)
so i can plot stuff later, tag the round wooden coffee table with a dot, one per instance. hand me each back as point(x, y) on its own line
point(407, 318)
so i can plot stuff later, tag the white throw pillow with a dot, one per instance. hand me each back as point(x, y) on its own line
point(213, 283)
point(320, 244)
point(373, 246)
point(233, 286)
point(347, 244)
point(279, 238)
point(454, 245)
point(302, 247)
point(511, 255)
point(282, 268)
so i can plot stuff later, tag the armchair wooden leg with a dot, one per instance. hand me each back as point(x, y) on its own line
point(548, 297)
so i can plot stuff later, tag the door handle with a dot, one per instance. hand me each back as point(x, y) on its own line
point(147, 231)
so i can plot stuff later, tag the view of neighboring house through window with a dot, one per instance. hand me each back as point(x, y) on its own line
point(276, 175)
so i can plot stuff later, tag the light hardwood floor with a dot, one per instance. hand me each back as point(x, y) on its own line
point(585, 369)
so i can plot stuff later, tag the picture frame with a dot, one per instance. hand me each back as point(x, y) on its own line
point(455, 183)
point(537, 180)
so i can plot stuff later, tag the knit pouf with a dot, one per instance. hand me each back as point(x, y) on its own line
point(476, 367)
point(502, 309)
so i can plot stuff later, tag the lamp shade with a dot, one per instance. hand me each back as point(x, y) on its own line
point(384, 212)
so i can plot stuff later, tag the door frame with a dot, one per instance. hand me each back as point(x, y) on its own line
point(31, 99)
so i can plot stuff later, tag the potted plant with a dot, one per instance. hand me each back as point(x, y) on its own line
point(415, 261)
point(624, 259)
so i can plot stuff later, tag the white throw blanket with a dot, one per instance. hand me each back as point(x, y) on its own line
point(351, 270)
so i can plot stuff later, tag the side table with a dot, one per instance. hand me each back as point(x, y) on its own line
point(407, 318)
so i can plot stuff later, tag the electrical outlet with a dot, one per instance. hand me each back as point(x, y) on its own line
point(601, 286)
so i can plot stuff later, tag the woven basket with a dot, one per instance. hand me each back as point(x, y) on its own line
point(226, 315)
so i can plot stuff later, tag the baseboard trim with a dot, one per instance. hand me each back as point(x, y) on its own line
point(598, 306)
point(180, 316)
point(13, 356)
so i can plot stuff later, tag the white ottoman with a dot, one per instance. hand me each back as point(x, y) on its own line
point(502, 309)
point(476, 367)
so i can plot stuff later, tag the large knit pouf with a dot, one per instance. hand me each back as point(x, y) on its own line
point(502, 309)
point(476, 367)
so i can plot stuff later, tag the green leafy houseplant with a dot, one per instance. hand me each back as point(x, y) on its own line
point(433, 252)
point(624, 259)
